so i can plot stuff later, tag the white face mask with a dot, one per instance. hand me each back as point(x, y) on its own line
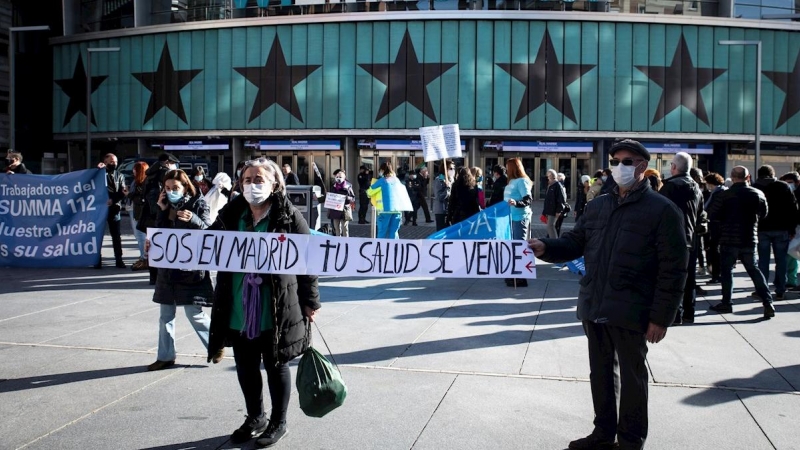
point(624, 175)
point(256, 194)
point(604, 178)
point(792, 187)
point(198, 178)
point(451, 173)
point(340, 179)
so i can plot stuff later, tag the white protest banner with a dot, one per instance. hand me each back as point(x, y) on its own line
point(303, 254)
point(335, 201)
point(440, 142)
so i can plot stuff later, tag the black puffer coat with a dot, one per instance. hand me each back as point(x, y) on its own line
point(184, 287)
point(686, 195)
point(289, 292)
point(735, 213)
point(781, 203)
point(555, 199)
point(636, 257)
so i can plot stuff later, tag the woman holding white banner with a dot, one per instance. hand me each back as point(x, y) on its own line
point(390, 198)
point(341, 219)
point(518, 194)
point(182, 207)
point(264, 317)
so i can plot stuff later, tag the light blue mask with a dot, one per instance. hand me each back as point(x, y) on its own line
point(174, 197)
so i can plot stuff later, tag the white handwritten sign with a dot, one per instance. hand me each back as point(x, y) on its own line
point(303, 254)
point(440, 142)
point(335, 201)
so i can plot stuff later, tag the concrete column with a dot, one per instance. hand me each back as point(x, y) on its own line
point(71, 16)
point(350, 157)
point(238, 151)
point(141, 147)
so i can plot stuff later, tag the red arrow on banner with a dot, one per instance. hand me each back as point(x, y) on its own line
point(526, 252)
point(528, 266)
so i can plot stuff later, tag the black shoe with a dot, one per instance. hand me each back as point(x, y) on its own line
point(252, 427)
point(509, 281)
point(714, 281)
point(687, 319)
point(428, 221)
point(592, 442)
point(769, 311)
point(699, 291)
point(722, 308)
point(522, 282)
point(413, 224)
point(362, 222)
point(274, 433)
point(121, 264)
point(678, 320)
point(781, 296)
point(160, 365)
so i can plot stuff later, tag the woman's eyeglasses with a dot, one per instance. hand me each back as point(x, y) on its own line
point(625, 162)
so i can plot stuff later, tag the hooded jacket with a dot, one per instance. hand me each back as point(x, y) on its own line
point(636, 257)
point(289, 292)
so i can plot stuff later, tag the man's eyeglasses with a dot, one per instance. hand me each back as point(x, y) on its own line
point(625, 162)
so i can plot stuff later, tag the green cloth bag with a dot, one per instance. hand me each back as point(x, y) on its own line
point(320, 386)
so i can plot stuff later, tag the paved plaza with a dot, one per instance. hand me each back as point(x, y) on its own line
point(429, 363)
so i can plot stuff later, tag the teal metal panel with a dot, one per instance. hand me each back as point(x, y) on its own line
point(781, 60)
point(136, 105)
point(448, 83)
point(296, 50)
point(364, 81)
point(467, 74)
point(224, 78)
point(247, 53)
point(397, 31)
point(432, 53)
point(719, 120)
point(211, 67)
point(112, 111)
point(554, 119)
point(736, 94)
point(484, 62)
point(536, 118)
point(501, 113)
point(768, 118)
point(705, 58)
point(793, 124)
point(150, 58)
point(672, 120)
point(606, 73)
point(627, 46)
point(280, 37)
point(382, 53)
point(197, 87)
point(573, 54)
point(330, 75)
point(749, 100)
point(314, 84)
point(660, 56)
point(347, 75)
point(589, 87)
point(415, 79)
point(517, 98)
point(170, 120)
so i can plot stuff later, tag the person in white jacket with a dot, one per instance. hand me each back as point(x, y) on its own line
point(218, 195)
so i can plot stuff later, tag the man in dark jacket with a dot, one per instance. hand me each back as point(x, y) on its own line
point(117, 190)
point(424, 180)
point(554, 202)
point(777, 229)
point(499, 185)
point(735, 215)
point(14, 163)
point(684, 192)
point(792, 179)
point(364, 181)
point(635, 253)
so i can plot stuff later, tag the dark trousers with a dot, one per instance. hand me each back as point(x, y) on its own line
point(248, 355)
point(441, 221)
point(712, 252)
point(689, 292)
point(363, 205)
point(701, 243)
point(116, 236)
point(411, 216)
point(423, 203)
point(727, 258)
point(559, 221)
point(617, 364)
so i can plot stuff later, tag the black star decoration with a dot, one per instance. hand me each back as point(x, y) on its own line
point(75, 88)
point(165, 86)
point(782, 80)
point(681, 82)
point(541, 87)
point(276, 81)
point(406, 71)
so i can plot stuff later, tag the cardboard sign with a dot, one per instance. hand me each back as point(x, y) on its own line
point(303, 254)
point(440, 142)
point(335, 201)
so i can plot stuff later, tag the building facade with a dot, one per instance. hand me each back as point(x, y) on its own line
point(346, 89)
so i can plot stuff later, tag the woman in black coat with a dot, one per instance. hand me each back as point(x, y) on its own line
point(180, 207)
point(464, 200)
point(264, 317)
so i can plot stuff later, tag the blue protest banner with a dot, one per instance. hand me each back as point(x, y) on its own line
point(52, 221)
point(577, 266)
point(493, 222)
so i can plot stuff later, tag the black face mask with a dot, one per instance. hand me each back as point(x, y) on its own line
point(9, 162)
point(111, 167)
